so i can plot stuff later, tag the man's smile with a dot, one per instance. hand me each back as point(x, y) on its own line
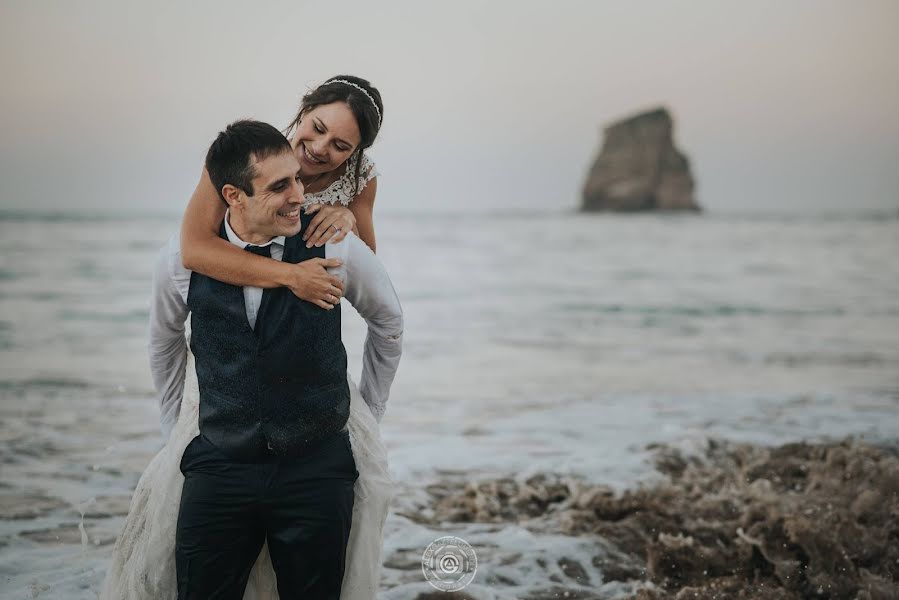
point(290, 213)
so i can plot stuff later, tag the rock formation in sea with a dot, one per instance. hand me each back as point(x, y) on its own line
point(639, 168)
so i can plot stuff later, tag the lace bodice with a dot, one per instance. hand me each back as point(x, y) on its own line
point(341, 191)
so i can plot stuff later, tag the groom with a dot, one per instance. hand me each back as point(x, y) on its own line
point(273, 459)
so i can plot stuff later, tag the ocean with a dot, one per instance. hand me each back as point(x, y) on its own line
point(548, 342)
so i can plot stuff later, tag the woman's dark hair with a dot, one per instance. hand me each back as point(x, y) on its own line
point(368, 118)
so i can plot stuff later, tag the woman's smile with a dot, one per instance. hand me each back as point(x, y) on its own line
point(310, 157)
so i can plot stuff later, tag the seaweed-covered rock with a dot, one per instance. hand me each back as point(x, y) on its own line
point(786, 523)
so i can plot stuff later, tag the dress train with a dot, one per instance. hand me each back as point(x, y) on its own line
point(143, 561)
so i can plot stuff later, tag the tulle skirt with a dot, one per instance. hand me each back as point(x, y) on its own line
point(143, 561)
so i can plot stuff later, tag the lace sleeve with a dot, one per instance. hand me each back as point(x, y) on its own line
point(343, 191)
point(369, 170)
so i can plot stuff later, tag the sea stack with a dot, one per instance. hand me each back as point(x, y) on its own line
point(639, 168)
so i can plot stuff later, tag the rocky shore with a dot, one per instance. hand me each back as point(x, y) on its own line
point(736, 522)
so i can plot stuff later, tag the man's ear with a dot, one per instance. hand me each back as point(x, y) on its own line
point(234, 196)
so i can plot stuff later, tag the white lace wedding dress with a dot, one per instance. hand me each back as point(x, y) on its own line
point(143, 562)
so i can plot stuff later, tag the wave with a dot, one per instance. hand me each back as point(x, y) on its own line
point(44, 383)
point(31, 216)
point(721, 310)
point(133, 316)
point(808, 359)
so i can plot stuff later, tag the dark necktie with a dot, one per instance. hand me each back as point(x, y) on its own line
point(260, 250)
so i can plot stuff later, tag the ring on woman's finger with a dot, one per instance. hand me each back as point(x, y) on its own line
point(336, 228)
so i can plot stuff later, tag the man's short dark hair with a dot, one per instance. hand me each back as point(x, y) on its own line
point(228, 159)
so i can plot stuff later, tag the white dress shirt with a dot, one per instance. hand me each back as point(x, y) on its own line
point(252, 296)
point(367, 287)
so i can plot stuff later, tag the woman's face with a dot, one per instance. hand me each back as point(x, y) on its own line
point(326, 136)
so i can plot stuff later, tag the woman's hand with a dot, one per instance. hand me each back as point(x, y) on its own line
point(330, 223)
point(311, 282)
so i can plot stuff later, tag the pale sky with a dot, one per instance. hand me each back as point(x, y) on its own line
point(780, 105)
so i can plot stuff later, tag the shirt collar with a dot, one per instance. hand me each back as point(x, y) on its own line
point(234, 239)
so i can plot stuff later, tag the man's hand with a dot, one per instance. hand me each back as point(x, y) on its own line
point(329, 222)
point(312, 282)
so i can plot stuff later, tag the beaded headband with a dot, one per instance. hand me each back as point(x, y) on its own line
point(361, 89)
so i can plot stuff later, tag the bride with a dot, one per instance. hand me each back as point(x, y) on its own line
point(336, 122)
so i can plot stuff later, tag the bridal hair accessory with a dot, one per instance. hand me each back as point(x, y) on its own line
point(361, 89)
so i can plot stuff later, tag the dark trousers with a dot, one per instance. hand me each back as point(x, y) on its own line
point(303, 508)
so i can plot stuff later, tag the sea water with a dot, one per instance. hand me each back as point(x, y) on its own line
point(534, 343)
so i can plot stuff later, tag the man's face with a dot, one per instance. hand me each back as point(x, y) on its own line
point(274, 209)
